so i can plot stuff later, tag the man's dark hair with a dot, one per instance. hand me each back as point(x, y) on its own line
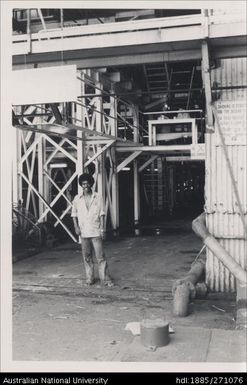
point(86, 178)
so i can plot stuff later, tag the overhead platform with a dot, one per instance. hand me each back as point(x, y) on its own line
point(133, 42)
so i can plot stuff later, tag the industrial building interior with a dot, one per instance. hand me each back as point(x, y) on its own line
point(132, 97)
point(172, 185)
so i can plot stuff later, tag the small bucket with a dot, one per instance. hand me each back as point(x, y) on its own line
point(154, 332)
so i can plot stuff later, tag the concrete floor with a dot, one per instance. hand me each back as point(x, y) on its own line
point(56, 318)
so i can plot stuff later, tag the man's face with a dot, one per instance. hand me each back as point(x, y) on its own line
point(86, 187)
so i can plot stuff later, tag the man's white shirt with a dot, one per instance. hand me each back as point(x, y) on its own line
point(88, 218)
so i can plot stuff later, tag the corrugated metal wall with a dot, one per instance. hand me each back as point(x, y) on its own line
point(231, 73)
point(222, 211)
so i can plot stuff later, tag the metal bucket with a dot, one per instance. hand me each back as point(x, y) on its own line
point(154, 333)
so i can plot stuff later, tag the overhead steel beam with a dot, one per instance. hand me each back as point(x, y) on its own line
point(166, 148)
point(182, 159)
point(229, 51)
point(106, 58)
point(121, 45)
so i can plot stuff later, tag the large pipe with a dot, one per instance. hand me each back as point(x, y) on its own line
point(185, 288)
point(199, 227)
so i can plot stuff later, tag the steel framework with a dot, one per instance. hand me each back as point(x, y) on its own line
point(99, 133)
point(64, 139)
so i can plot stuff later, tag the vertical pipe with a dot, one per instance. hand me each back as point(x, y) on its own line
point(136, 197)
point(207, 84)
point(152, 186)
point(114, 184)
point(14, 165)
point(171, 189)
point(136, 123)
point(113, 113)
point(19, 167)
point(136, 173)
point(40, 176)
point(194, 133)
point(46, 182)
point(115, 192)
point(29, 40)
point(80, 116)
point(99, 128)
point(125, 118)
point(61, 18)
point(150, 135)
point(160, 183)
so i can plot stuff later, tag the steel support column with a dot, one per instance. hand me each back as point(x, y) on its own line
point(100, 159)
point(114, 184)
point(80, 116)
point(207, 85)
point(14, 165)
point(19, 168)
point(136, 174)
point(136, 197)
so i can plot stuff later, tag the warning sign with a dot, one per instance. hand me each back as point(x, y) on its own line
point(232, 120)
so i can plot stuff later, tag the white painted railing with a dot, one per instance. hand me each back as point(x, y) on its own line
point(98, 29)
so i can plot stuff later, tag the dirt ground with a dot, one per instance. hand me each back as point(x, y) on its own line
point(55, 317)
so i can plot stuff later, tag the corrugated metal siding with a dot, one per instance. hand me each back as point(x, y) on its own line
point(231, 73)
point(227, 226)
point(219, 195)
point(222, 212)
point(218, 278)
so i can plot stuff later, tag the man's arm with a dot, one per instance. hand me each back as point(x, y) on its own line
point(102, 225)
point(102, 222)
point(102, 217)
point(76, 226)
point(74, 217)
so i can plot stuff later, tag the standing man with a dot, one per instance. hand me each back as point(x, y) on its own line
point(88, 217)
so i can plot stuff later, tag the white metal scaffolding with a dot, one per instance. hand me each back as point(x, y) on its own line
point(62, 140)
